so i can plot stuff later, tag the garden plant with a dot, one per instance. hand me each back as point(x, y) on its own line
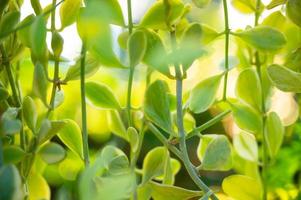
point(147, 114)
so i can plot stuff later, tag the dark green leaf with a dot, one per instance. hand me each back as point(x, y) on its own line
point(10, 183)
point(293, 11)
point(13, 154)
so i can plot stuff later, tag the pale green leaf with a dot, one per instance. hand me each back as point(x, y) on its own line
point(137, 47)
point(69, 12)
point(30, 113)
point(52, 153)
point(245, 145)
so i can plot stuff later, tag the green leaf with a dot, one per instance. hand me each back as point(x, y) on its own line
point(4, 94)
point(116, 125)
point(155, 55)
point(96, 34)
point(201, 3)
point(273, 133)
point(40, 82)
point(38, 33)
point(30, 113)
point(49, 129)
point(275, 3)
point(164, 192)
point(284, 78)
point(35, 4)
point(133, 139)
point(136, 47)
point(242, 187)
point(157, 18)
point(13, 154)
point(71, 136)
point(109, 11)
point(153, 164)
point(24, 33)
point(101, 96)
point(10, 183)
point(119, 165)
point(57, 43)
point(245, 145)
point(203, 144)
point(247, 118)
point(3, 5)
point(9, 124)
point(293, 11)
point(156, 105)
point(9, 22)
point(203, 94)
point(218, 154)
point(91, 67)
point(69, 11)
point(263, 38)
point(246, 6)
point(52, 153)
point(70, 167)
point(247, 85)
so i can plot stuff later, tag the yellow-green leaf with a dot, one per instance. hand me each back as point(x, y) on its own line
point(69, 12)
point(245, 145)
point(293, 11)
point(52, 153)
point(30, 113)
point(136, 47)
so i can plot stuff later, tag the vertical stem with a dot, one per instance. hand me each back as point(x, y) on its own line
point(188, 165)
point(131, 75)
point(263, 110)
point(1, 153)
point(83, 105)
point(227, 34)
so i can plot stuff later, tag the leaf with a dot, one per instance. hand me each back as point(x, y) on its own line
point(10, 183)
point(203, 144)
point(153, 164)
point(4, 94)
point(246, 6)
point(163, 192)
point(109, 11)
point(57, 43)
point(155, 55)
point(9, 22)
point(35, 4)
point(29, 113)
point(218, 154)
point(69, 11)
point(116, 125)
point(133, 138)
point(13, 154)
point(157, 18)
point(203, 94)
point(49, 129)
point(293, 11)
point(38, 33)
point(247, 85)
point(52, 153)
point(38, 187)
point(24, 33)
point(156, 105)
point(263, 38)
point(101, 96)
point(245, 146)
point(201, 3)
point(96, 35)
point(91, 67)
point(9, 124)
point(242, 187)
point(58, 98)
point(136, 47)
point(70, 167)
point(71, 136)
point(119, 165)
point(247, 118)
point(40, 82)
point(3, 5)
point(275, 3)
point(274, 133)
point(284, 78)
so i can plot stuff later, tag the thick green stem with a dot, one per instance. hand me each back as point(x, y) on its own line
point(227, 35)
point(132, 70)
point(83, 106)
point(263, 110)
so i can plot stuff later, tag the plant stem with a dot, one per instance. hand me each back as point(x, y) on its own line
point(263, 110)
point(1, 153)
point(83, 106)
point(132, 70)
point(227, 34)
point(208, 124)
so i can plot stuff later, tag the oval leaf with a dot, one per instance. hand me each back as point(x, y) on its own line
point(52, 153)
point(29, 112)
point(137, 47)
point(245, 145)
point(69, 12)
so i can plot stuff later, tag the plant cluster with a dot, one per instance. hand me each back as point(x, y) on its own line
point(33, 135)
